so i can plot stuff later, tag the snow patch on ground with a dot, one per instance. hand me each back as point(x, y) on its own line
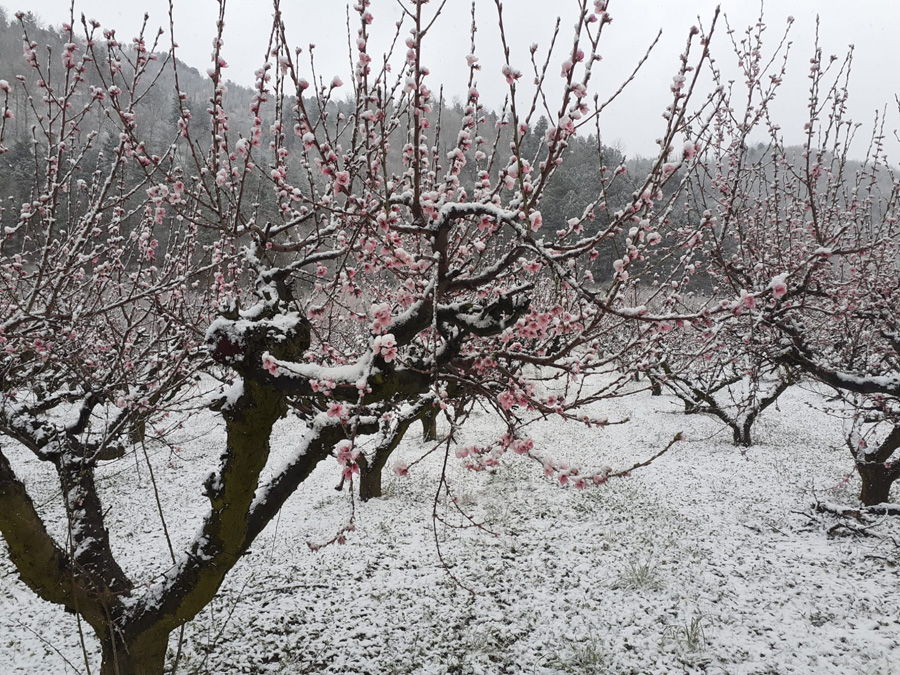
point(710, 560)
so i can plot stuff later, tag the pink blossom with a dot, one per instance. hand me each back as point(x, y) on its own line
point(382, 317)
point(386, 347)
point(337, 410)
point(347, 456)
point(532, 266)
point(4, 85)
point(511, 74)
point(341, 180)
point(401, 468)
point(779, 286)
point(748, 300)
point(689, 150)
point(536, 220)
point(337, 82)
point(522, 447)
point(269, 364)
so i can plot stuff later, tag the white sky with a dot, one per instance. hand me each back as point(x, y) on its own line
point(633, 123)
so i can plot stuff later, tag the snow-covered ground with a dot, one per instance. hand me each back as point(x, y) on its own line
point(710, 560)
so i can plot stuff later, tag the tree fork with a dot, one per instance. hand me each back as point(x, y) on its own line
point(370, 472)
point(877, 473)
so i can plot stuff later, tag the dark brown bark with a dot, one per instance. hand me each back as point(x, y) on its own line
point(41, 563)
point(429, 425)
point(92, 583)
point(370, 483)
point(97, 568)
point(226, 534)
point(877, 479)
point(800, 356)
point(138, 431)
point(141, 655)
point(877, 472)
point(370, 471)
point(741, 433)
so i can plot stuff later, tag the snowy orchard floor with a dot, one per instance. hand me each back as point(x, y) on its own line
point(707, 561)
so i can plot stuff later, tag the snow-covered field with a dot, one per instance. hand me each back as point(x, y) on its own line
point(710, 560)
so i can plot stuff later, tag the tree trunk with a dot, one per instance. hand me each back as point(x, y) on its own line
point(741, 434)
point(141, 655)
point(429, 425)
point(877, 472)
point(370, 481)
point(370, 470)
point(138, 431)
point(877, 479)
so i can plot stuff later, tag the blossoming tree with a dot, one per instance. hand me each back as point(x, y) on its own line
point(399, 269)
point(804, 248)
point(728, 381)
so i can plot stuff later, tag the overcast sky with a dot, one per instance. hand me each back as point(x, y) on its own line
point(873, 26)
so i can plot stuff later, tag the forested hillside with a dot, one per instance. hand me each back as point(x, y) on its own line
point(582, 178)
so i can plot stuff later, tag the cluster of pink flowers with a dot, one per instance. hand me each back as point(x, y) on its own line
point(385, 346)
point(347, 456)
point(325, 387)
point(567, 475)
